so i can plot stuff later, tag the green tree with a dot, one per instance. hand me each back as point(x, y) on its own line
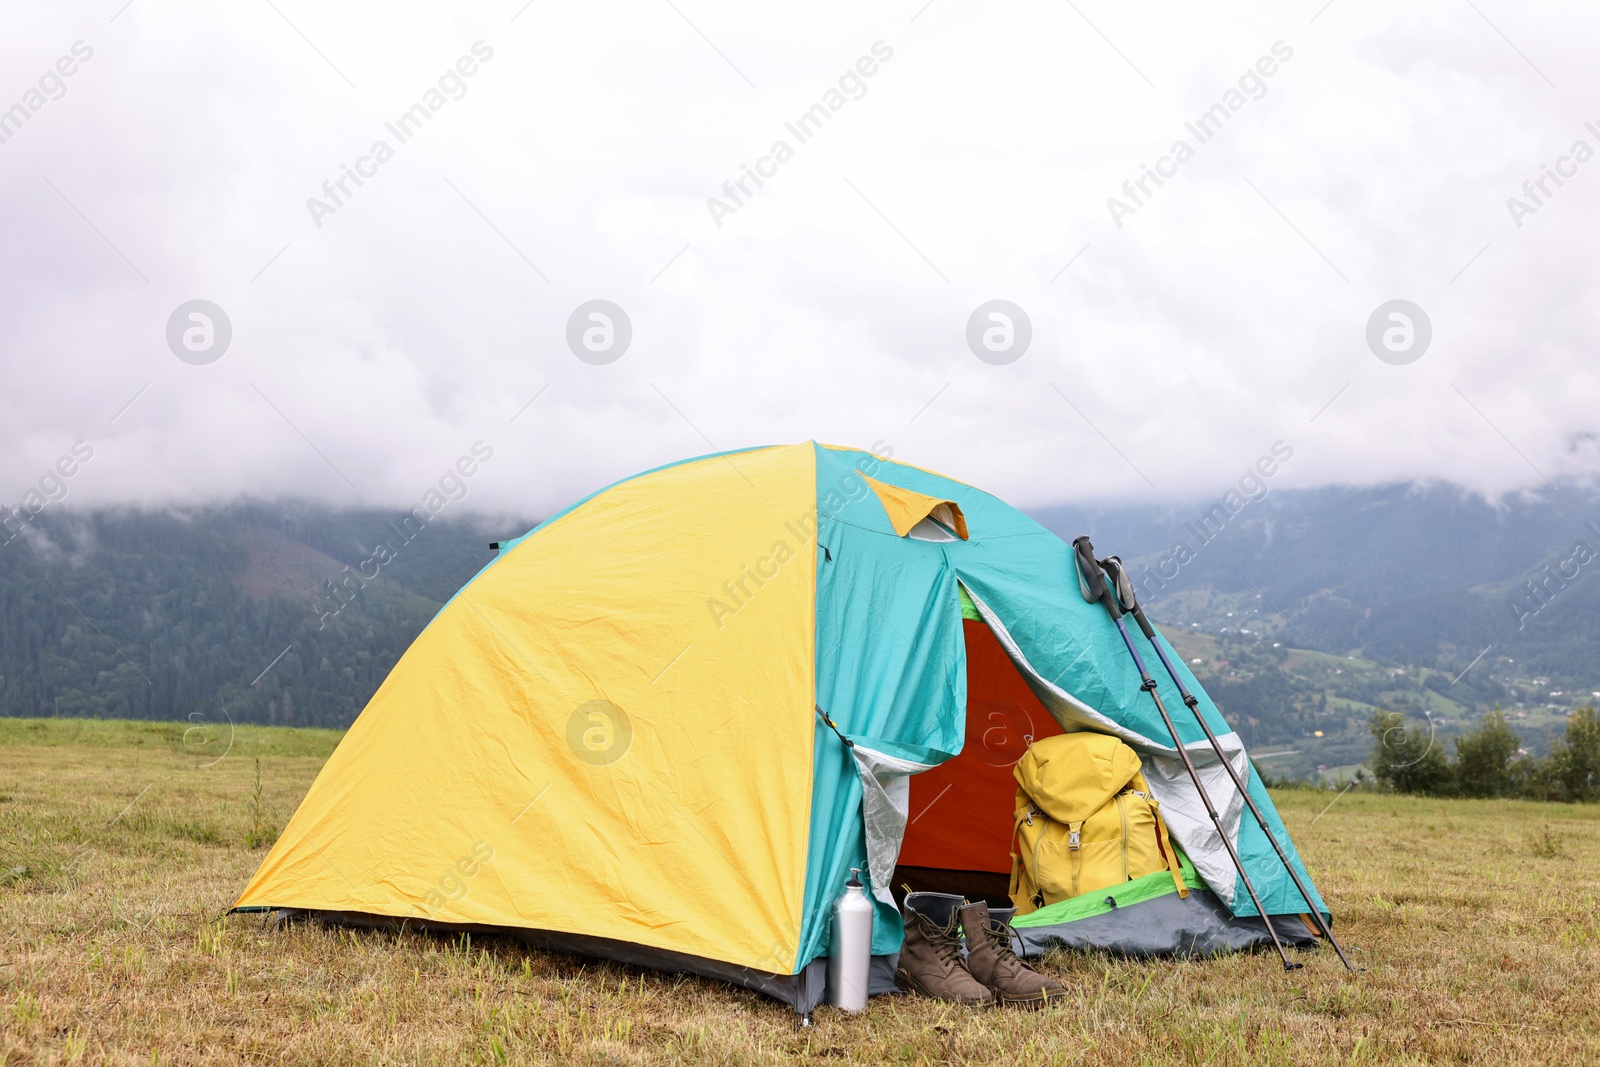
point(1575, 759)
point(1408, 759)
point(1484, 755)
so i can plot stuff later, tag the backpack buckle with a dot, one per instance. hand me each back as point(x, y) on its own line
point(1074, 839)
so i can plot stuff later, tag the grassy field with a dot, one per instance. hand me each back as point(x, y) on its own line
point(122, 845)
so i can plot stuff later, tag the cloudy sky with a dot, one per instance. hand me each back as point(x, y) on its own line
point(1354, 156)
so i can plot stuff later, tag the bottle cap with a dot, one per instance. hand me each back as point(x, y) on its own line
point(855, 878)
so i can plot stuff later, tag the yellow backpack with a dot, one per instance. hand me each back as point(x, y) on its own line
point(1085, 820)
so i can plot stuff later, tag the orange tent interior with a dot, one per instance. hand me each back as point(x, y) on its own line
point(959, 837)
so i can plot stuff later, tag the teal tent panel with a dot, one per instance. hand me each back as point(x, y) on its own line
point(1278, 893)
point(891, 667)
point(1033, 592)
point(1025, 576)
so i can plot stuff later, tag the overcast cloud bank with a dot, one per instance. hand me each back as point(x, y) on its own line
point(429, 306)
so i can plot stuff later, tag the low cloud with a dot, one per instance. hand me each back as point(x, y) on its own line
point(432, 306)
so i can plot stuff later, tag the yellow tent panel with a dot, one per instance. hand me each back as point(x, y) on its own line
point(600, 735)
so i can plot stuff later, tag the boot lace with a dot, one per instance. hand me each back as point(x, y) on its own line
point(944, 940)
point(1000, 936)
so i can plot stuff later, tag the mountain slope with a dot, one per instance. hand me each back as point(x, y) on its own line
point(1301, 611)
point(1426, 600)
point(220, 613)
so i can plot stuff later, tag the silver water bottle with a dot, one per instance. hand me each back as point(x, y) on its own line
point(850, 953)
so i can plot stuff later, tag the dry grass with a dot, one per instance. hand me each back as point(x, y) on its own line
point(120, 847)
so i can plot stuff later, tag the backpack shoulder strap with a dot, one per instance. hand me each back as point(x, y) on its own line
point(1024, 814)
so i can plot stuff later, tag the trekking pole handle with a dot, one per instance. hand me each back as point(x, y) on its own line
point(1122, 590)
point(1144, 624)
point(1092, 581)
point(1119, 581)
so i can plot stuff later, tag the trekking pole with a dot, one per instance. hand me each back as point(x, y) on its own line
point(1092, 581)
point(1130, 603)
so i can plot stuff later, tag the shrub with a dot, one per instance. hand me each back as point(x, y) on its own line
point(1575, 759)
point(1484, 755)
point(1406, 759)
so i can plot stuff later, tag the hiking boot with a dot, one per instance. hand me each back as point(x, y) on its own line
point(992, 961)
point(930, 960)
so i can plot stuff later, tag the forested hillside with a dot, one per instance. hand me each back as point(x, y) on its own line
point(221, 613)
point(1405, 574)
point(1301, 611)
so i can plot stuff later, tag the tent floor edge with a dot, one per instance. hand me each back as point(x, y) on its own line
point(803, 991)
point(1169, 925)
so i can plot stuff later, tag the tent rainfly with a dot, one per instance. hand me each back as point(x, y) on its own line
point(608, 742)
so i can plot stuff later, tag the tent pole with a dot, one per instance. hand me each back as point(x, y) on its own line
point(1092, 580)
point(1130, 602)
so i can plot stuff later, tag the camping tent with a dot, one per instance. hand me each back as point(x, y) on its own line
point(609, 742)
